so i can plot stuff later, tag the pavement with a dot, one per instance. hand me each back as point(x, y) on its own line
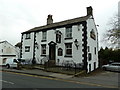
point(104, 79)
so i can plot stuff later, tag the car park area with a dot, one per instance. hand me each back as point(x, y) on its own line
point(115, 66)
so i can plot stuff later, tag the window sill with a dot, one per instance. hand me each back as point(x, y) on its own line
point(43, 40)
point(27, 38)
point(58, 42)
point(60, 55)
point(43, 55)
point(67, 56)
point(68, 38)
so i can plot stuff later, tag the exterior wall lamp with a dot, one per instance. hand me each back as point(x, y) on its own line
point(76, 43)
point(36, 45)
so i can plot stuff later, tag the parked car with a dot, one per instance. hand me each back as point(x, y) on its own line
point(11, 63)
point(112, 67)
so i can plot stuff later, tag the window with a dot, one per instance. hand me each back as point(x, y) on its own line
point(27, 48)
point(28, 36)
point(95, 50)
point(58, 38)
point(68, 47)
point(43, 48)
point(2, 50)
point(94, 65)
point(89, 56)
point(44, 36)
point(89, 67)
point(4, 60)
point(88, 48)
point(92, 34)
point(69, 32)
point(60, 52)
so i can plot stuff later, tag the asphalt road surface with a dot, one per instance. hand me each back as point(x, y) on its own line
point(19, 80)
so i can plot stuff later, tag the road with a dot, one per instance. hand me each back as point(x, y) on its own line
point(19, 80)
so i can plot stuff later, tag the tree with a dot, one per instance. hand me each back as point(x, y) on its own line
point(107, 55)
point(113, 34)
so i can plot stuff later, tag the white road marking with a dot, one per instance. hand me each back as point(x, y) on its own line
point(6, 82)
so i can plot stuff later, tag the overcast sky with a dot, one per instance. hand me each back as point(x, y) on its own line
point(17, 16)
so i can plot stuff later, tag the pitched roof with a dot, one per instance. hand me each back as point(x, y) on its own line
point(3, 41)
point(18, 44)
point(59, 24)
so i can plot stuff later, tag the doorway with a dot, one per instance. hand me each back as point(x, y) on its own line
point(52, 50)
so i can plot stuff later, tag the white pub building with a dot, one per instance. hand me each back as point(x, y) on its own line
point(70, 40)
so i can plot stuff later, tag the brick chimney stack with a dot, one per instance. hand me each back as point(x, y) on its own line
point(49, 19)
point(89, 11)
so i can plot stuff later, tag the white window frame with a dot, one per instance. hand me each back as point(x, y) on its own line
point(68, 32)
point(44, 35)
point(60, 52)
point(43, 47)
point(68, 48)
point(28, 35)
point(27, 48)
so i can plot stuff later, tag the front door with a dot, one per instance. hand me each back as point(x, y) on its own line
point(52, 50)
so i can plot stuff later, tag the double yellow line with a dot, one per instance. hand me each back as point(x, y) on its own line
point(71, 81)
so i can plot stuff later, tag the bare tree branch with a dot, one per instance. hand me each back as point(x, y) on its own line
point(113, 34)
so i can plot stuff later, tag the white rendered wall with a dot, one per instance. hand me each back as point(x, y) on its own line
point(7, 51)
point(76, 53)
point(28, 42)
point(51, 36)
point(92, 44)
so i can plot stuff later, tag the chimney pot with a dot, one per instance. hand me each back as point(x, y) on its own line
point(49, 19)
point(89, 11)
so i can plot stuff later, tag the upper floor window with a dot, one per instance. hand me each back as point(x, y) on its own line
point(92, 34)
point(43, 49)
point(68, 49)
point(27, 48)
point(44, 35)
point(27, 35)
point(58, 38)
point(68, 32)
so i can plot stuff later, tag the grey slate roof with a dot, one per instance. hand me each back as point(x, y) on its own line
point(6, 42)
point(58, 24)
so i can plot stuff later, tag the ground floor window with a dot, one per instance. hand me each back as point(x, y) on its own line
point(27, 48)
point(89, 67)
point(60, 52)
point(95, 50)
point(68, 49)
point(94, 65)
point(43, 49)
